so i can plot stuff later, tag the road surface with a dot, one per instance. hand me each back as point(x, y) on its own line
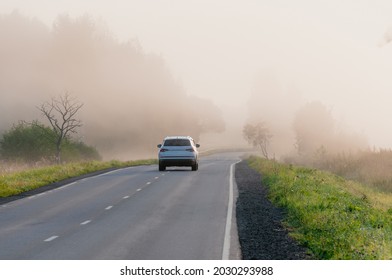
point(133, 213)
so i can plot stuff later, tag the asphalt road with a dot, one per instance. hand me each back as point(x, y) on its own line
point(133, 213)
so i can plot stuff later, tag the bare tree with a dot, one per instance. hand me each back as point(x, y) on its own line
point(258, 136)
point(61, 114)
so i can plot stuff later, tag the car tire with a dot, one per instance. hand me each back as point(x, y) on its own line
point(162, 167)
point(195, 167)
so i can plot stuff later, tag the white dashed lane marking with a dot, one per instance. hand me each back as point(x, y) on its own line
point(85, 222)
point(51, 238)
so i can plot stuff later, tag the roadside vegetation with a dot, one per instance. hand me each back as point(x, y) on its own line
point(336, 189)
point(370, 167)
point(333, 217)
point(13, 183)
point(33, 155)
point(35, 143)
point(30, 158)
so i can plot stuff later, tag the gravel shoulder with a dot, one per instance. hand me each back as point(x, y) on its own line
point(260, 230)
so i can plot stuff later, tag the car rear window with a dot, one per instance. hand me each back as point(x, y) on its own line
point(177, 142)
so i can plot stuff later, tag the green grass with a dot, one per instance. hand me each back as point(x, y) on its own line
point(18, 182)
point(333, 217)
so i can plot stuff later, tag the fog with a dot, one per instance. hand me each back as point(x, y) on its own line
point(203, 68)
point(130, 99)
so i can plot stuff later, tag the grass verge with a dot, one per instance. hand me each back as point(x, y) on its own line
point(334, 218)
point(19, 182)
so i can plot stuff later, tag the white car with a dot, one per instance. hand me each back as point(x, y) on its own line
point(178, 151)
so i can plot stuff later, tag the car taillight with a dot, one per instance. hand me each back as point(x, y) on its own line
point(163, 150)
point(190, 150)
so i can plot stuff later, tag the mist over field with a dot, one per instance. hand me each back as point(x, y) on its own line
point(130, 99)
point(317, 75)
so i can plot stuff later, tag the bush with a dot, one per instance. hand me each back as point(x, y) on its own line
point(27, 142)
point(78, 151)
point(34, 142)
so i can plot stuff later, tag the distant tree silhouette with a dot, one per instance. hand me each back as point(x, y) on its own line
point(258, 136)
point(61, 114)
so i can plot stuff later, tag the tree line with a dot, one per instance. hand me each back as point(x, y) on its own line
point(281, 124)
point(131, 99)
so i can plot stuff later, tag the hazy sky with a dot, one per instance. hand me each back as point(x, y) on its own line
point(332, 51)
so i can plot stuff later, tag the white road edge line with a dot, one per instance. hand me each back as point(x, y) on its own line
point(107, 173)
point(51, 238)
point(67, 185)
point(229, 217)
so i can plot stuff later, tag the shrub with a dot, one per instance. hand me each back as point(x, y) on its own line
point(34, 142)
point(27, 142)
point(77, 151)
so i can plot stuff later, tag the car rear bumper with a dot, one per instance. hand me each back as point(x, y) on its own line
point(177, 161)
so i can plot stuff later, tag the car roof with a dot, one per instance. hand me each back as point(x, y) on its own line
point(178, 137)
